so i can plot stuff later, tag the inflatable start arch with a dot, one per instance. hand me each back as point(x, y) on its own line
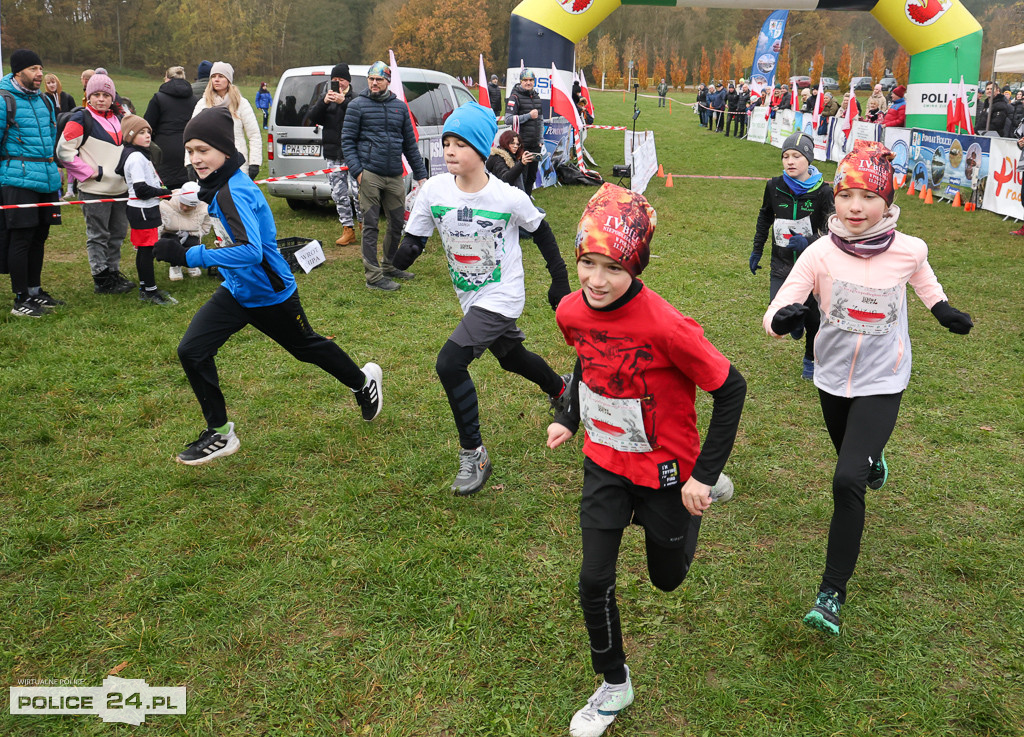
point(941, 36)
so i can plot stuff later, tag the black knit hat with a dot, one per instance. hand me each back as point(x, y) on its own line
point(214, 126)
point(802, 143)
point(341, 71)
point(23, 59)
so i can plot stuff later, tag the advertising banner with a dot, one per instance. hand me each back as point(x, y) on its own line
point(757, 129)
point(556, 148)
point(1002, 189)
point(860, 131)
point(783, 126)
point(766, 53)
point(897, 140)
point(644, 161)
point(938, 159)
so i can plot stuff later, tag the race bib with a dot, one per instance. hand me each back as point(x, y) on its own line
point(470, 254)
point(616, 423)
point(783, 230)
point(865, 310)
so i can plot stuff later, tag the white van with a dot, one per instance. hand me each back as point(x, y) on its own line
point(294, 143)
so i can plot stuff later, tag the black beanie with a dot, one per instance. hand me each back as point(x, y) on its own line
point(802, 143)
point(23, 59)
point(214, 126)
point(341, 71)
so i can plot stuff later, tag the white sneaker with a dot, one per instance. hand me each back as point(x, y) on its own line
point(174, 273)
point(602, 708)
point(194, 271)
point(722, 490)
point(371, 397)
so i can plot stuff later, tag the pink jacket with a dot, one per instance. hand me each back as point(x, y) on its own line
point(863, 345)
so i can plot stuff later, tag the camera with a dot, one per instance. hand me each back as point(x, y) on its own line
point(621, 170)
point(335, 86)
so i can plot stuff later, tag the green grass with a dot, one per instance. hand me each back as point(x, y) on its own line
point(324, 581)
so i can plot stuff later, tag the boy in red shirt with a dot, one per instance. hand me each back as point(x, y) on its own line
point(639, 362)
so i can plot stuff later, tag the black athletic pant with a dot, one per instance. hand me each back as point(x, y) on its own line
point(286, 324)
point(859, 427)
point(453, 370)
point(811, 318)
point(666, 566)
point(530, 172)
point(25, 256)
point(144, 266)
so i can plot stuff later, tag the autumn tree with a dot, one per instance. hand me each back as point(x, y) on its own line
point(901, 66)
point(630, 53)
point(679, 71)
point(877, 68)
point(436, 29)
point(606, 58)
point(705, 67)
point(642, 70)
point(782, 70)
point(818, 64)
point(660, 72)
point(584, 56)
point(845, 72)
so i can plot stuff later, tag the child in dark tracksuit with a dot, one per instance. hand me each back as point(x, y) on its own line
point(794, 213)
point(639, 363)
point(258, 289)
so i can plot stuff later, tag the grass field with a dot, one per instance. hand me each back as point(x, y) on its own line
point(324, 581)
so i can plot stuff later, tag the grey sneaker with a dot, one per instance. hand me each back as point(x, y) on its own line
point(721, 492)
point(370, 398)
point(384, 285)
point(602, 708)
point(474, 470)
point(560, 404)
point(156, 297)
point(399, 274)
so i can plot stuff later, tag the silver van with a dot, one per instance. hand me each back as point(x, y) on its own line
point(294, 143)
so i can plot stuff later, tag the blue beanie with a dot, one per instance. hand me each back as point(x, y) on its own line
point(203, 72)
point(475, 125)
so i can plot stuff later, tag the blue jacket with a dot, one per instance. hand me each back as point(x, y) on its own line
point(263, 100)
point(375, 135)
point(254, 270)
point(33, 135)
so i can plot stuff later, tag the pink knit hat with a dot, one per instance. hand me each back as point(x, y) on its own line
point(99, 83)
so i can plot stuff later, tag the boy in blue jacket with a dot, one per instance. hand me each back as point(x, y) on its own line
point(258, 289)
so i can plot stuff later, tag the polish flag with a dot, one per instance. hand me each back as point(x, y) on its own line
point(950, 107)
point(396, 87)
point(961, 112)
point(818, 102)
point(852, 113)
point(485, 99)
point(586, 93)
point(794, 97)
point(561, 100)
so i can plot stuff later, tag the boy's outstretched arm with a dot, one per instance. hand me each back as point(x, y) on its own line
point(725, 420)
point(544, 237)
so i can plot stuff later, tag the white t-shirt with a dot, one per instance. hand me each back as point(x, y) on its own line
point(480, 233)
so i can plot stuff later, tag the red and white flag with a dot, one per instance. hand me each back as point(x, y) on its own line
point(818, 102)
point(586, 93)
point(396, 87)
point(950, 107)
point(852, 113)
point(961, 112)
point(561, 100)
point(793, 97)
point(485, 99)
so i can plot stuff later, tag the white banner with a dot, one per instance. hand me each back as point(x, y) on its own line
point(644, 160)
point(931, 98)
point(757, 130)
point(1002, 187)
point(897, 140)
point(862, 131)
point(783, 126)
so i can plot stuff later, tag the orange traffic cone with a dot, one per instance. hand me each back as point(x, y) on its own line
point(928, 196)
point(661, 171)
point(970, 207)
point(922, 192)
point(911, 191)
point(956, 200)
point(668, 181)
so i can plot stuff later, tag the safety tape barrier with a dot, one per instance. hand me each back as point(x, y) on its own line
point(725, 112)
point(607, 127)
point(718, 176)
point(62, 203)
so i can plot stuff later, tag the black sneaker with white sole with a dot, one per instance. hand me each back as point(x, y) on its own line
point(210, 445)
point(28, 308)
point(45, 299)
point(371, 397)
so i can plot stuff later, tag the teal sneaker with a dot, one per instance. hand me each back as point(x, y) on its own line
point(879, 473)
point(602, 708)
point(825, 614)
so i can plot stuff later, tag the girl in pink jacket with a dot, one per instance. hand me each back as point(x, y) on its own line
point(858, 274)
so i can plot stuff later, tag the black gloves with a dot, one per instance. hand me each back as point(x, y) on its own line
point(798, 243)
point(190, 172)
point(99, 173)
point(789, 318)
point(168, 249)
point(254, 171)
point(559, 288)
point(958, 322)
point(754, 265)
point(409, 250)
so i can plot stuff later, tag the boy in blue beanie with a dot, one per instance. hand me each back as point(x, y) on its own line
point(478, 217)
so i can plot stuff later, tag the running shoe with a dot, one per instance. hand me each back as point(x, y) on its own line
point(879, 473)
point(27, 308)
point(210, 445)
point(721, 492)
point(560, 404)
point(371, 398)
point(825, 614)
point(474, 470)
point(602, 708)
point(808, 369)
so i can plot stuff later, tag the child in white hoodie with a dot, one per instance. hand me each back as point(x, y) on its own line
point(187, 217)
point(858, 273)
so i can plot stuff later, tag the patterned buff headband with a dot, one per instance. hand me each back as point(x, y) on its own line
point(868, 166)
point(619, 224)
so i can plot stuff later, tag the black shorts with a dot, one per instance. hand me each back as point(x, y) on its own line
point(482, 329)
point(613, 502)
point(29, 217)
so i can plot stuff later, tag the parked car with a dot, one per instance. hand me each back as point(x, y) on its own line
point(294, 143)
point(800, 81)
point(888, 83)
point(861, 84)
point(829, 83)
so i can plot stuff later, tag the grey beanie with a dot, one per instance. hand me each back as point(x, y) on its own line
point(802, 143)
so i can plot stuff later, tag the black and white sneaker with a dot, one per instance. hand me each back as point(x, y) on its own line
point(156, 297)
point(27, 308)
point(211, 444)
point(45, 299)
point(371, 397)
point(560, 404)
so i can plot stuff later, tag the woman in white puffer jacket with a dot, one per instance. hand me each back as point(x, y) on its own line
point(220, 90)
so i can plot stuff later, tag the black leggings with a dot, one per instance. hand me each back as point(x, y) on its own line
point(286, 324)
point(453, 370)
point(25, 256)
point(144, 265)
point(667, 567)
point(859, 427)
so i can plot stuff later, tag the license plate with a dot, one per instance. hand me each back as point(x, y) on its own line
point(300, 149)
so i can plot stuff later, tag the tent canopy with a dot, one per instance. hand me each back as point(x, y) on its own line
point(1010, 59)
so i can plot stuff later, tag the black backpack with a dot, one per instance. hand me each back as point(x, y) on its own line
point(11, 103)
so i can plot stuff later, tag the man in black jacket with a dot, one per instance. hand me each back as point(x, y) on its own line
point(168, 113)
point(523, 111)
point(494, 95)
point(329, 112)
point(733, 107)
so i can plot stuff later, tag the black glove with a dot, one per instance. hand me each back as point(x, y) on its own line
point(559, 288)
point(190, 172)
point(409, 250)
point(958, 322)
point(168, 249)
point(254, 171)
point(798, 242)
point(99, 173)
point(789, 318)
point(754, 265)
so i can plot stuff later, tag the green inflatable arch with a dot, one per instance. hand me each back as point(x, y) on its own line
point(941, 36)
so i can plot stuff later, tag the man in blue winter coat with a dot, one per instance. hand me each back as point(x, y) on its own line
point(376, 133)
point(28, 176)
